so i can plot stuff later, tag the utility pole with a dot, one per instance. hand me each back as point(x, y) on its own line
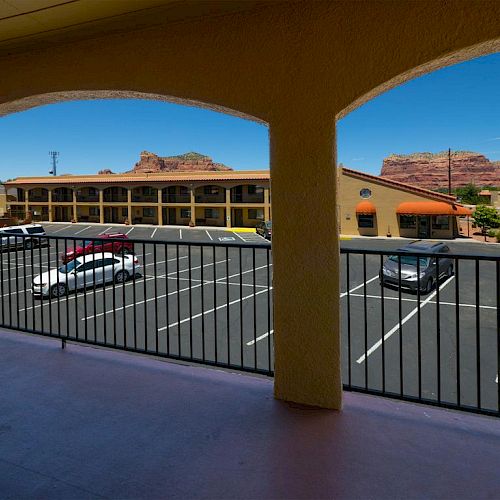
point(54, 155)
point(449, 171)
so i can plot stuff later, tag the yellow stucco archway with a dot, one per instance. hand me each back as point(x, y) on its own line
point(296, 66)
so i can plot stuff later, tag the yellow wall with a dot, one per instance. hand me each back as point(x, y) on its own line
point(386, 200)
point(296, 66)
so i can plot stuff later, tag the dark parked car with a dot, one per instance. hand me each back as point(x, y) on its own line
point(265, 229)
point(412, 276)
point(117, 247)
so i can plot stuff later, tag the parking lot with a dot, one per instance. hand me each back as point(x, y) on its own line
point(214, 303)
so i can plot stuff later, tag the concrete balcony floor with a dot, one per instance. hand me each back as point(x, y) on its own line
point(93, 423)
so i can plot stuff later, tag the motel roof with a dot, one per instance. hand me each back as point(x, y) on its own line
point(235, 175)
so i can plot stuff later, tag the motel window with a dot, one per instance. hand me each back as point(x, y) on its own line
point(148, 191)
point(148, 212)
point(211, 190)
point(183, 190)
point(252, 189)
point(365, 220)
point(185, 213)
point(124, 212)
point(256, 213)
point(407, 221)
point(211, 213)
point(92, 191)
point(94, 211)
point(440, 222)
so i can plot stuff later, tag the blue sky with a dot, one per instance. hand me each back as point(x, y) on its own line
point(457, 107)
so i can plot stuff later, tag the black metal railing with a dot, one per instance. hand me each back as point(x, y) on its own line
point(424, 330)
point(429, 335)
point(203, 303)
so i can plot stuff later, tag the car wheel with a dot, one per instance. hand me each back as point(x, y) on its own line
point(449, 271)
point(29, 244)
point(59, 290)
point(121, 276)
point(429, 286)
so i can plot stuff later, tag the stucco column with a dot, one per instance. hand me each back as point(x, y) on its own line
point(228, 207)
point(193, 206)
point(101, 206)
point(129, 205)
point(75, 214)
point(26, 202)
point(305, 261)
point(51, 215)
point(267, 215)
point(160, 209)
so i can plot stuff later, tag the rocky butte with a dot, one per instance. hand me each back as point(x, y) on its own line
point(188, 162)
point(430, 170)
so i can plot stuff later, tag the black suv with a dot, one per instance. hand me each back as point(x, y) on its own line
point(411, 276)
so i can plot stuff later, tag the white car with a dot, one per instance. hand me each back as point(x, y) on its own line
point(19, 236)
point(85, 272)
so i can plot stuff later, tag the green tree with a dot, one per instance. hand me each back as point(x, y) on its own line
point(486, 217)
point(469, 194)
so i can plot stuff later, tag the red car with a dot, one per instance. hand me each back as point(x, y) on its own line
point(98, 246)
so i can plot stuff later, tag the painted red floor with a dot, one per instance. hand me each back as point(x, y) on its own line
point(90, 423)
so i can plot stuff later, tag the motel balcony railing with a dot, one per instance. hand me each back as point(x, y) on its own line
point(247, 198)
point(176, 198)
point(213, 304)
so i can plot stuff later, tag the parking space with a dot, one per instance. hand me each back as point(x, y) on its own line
point(183, 234)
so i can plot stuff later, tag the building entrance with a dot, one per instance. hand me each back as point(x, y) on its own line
point(423, 226)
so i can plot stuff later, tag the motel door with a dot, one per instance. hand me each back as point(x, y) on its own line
point(424, 226)
point(238, 217)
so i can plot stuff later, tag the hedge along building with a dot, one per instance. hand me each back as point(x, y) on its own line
point(369, 205)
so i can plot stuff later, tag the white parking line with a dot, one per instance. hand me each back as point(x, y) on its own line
point(261, 337)
point(104, 232)
point(358, 287)
point(154, 232)
point(236, 234)
point(208, 234)
point(435, 302)
point(81, 230)
point(209, 311)
point(61, 229)
point(159, 296)
point(393, 330)
point(129, 231)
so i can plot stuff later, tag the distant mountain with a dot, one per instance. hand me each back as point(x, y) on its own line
point(430, 170)
point(187, 162)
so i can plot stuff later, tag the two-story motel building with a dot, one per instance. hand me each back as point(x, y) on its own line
point(369, 205)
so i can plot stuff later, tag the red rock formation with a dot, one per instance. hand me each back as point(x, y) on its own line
point(428, 170)
point(150, 162)
point(106, 171)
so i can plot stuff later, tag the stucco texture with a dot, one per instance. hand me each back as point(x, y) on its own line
point(296, 66)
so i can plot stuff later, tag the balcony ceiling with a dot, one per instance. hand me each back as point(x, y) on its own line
point(26, 24)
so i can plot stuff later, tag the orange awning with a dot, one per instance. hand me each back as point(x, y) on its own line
point(431, 208)
point(366, 208)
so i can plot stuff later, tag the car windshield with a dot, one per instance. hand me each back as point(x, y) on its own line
point(36, 230)
point(87, 243)
point(67, 268)
point(410, 260)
